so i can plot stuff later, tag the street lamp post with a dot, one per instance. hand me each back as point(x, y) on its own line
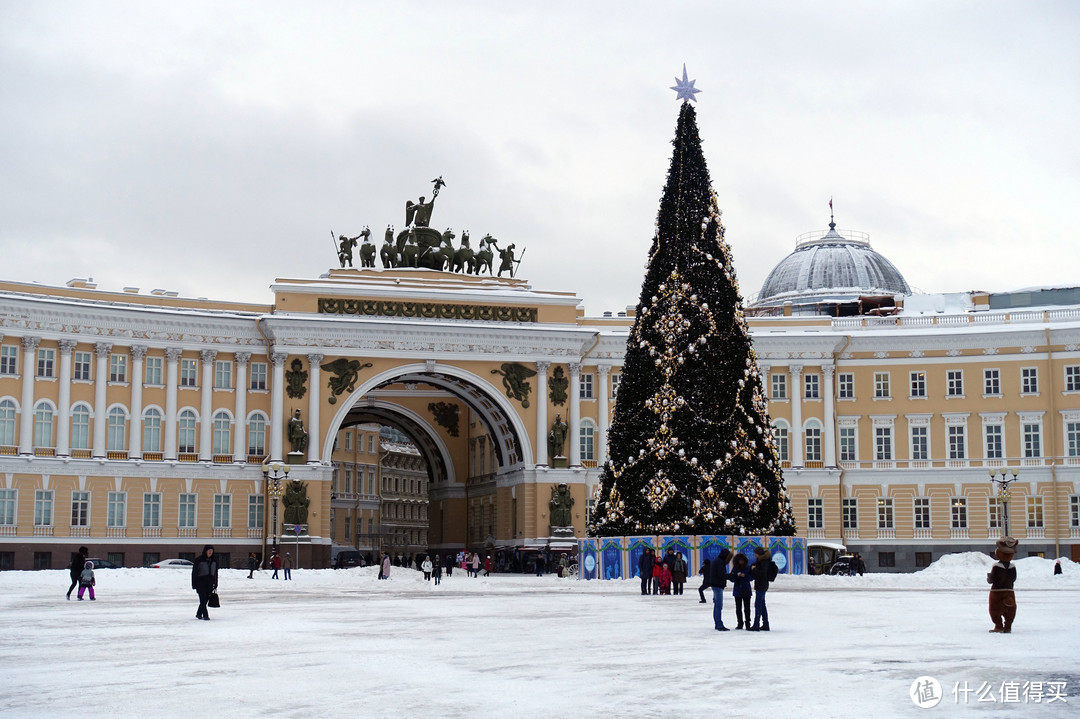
point(1003, 479)
point(273, 474)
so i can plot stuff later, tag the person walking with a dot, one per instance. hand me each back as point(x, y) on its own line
point(704, 572)
point(386, 563)
point(487, 566)
point(86, 580)
point(475, 565)
point(678, 574)
point(426, 567)
point(645, 567)
point(436, 570)
point(740, 581)
point(1057, 568)
point(763, 571)
point(275, 562)
point(539, 564)
point(449, 566)
point(253, 564)
point(78, 559)
point(717, 582)
point(204, 579)
point(287, 564)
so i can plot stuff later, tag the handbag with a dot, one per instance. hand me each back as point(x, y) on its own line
point(213, 602)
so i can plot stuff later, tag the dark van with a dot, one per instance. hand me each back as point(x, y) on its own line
point(347, 559)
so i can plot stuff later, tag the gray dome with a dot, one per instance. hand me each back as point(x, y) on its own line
point(833, 266)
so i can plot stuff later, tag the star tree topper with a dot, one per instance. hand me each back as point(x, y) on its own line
point(685, 87)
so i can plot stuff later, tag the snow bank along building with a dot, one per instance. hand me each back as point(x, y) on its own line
point(145, 425)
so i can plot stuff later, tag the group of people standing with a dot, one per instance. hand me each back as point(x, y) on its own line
point(665, 575)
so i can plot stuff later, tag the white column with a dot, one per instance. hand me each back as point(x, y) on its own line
point(314, 360)
point(602, 414)
point(240, 440)
point(206, 407)
point(796, 440)
point(830, 416)
point(575, 414)
point(541, 412)
point(29, 369)
point(63, 404)
point(138, 353)
point(172, 361)
point(101, 383)
point(277, 404)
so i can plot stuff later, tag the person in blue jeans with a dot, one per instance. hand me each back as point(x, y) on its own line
point(740, 581)
point(717, 582)
point(763, 570)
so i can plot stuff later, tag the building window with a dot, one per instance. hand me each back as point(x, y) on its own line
point(924, 559)
point(586, 385)
point(118, 368)
point(42, 560)
point(922, 513)
point(847, 444)
point(348, 441)
point(881, 385)
point(371, 444)
point(222, 374)
point(117, 514)
point(920, 443)
point(812, 383)
point(258, 375)
point(151, 509)
point(815, 513)
point(779, 386)
point(885, 513)
point(991, 381)
point(994, 513)
point(153, 370)
point(1029, 380)
point(845, 383)
point(43, 425)
point(43, 508)
point(46, 362)
point(186, 507)
point(82, 366)
point(954, 383)
point(780, 434)
point(1072, 378)
point(995, 441)
point(151, 430)
point(1072, 437)
point(80, 509)
point(257, 435)
point(957, 444)
point(7, 507)
point(886, 559)
point(255, 511)
point(188, 372)
point(588, 440)
point(185, 429)
point(222, 433)
point(9, 359)
point(1074, 510)
point(918, 384)
point(959, 513)
point(116, 434)
point(883, 443)
point(1035, 512)
point(7, 423)
point(616, 380)
point(851, 513)
point(80, 427)
point(813, 441)
point(222, 511)
point(1032, 439)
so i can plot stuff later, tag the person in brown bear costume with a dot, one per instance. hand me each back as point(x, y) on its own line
point(1001, 578)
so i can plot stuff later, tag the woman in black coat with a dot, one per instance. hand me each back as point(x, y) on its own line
point(204, 576)
point(77, 562)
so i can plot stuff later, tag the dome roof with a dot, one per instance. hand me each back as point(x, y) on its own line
point(833, 266)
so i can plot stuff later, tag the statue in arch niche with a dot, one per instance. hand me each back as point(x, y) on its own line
point(298, 436)
point(296, 502)
point(561, 515)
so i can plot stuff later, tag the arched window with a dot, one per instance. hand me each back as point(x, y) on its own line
point(185, 429)
point(152, 430)
point(80, 427)
point(813, 441)
point(587, 433)
point(7, 422)
point(43, 425)
point(222, 433)
point(780, 434)
point(117, 430)
point(257, 435)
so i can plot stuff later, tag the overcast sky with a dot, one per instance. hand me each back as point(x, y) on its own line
point(209, 148)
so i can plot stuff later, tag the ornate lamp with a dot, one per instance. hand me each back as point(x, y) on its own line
point(1003, 479)
point(274, 473)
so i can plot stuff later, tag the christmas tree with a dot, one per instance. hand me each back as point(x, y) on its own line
point(691, 445)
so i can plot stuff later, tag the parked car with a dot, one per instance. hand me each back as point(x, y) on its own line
point(823, 555)
point(103, 563)
point(347, 559)
point(842, 565)
point(172, 564)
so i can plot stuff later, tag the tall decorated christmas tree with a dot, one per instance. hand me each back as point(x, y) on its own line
point(691, 445)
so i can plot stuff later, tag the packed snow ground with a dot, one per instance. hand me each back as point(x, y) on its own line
point(343, 644)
